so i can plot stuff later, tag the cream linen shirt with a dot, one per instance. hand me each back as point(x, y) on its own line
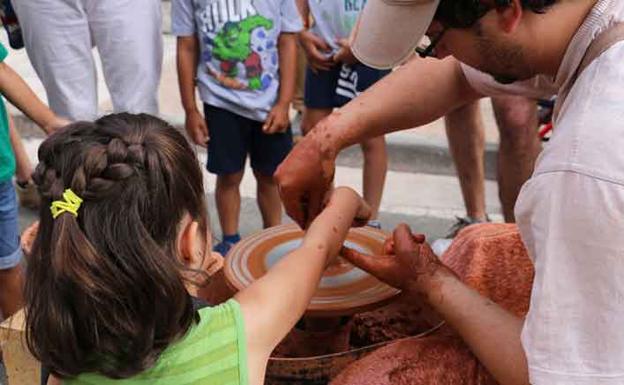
point(571, 216)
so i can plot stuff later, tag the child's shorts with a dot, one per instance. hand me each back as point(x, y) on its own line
point(232, 137)
point(10, 250)
point(338, 86)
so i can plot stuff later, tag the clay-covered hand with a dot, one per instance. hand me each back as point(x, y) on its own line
point(197, 128)
point(345, 55)
point(408, 262)
point(305, 177)
point(277, 121)
point(317, 51)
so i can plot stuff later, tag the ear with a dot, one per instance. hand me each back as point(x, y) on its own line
point(509, 14)
point(190, 253)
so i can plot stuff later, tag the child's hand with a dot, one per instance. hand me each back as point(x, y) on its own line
point(196, 128)
point(277, 121)
point(407, 262)
point(317, 51)
point(345, 55)
point(55, 124)
point(348, 195)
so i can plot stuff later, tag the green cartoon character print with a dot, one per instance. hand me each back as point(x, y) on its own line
point(232, 45)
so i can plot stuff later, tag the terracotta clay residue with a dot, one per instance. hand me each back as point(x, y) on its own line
point(490, 258)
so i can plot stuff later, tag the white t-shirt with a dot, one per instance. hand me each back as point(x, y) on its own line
point(571, 217)
point(334, 19)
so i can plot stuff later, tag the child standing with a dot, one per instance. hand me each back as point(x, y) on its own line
point(243, 55)
point(13, 87)
point(334, 77)
point(123, 241)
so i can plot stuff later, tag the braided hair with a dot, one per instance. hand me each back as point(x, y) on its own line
point(104, 290)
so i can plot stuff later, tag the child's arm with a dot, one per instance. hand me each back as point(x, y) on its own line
point(277, 121)
point(15, 89)
point(188, 53)
point(272, 305)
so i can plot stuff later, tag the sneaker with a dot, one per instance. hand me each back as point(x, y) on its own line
point(439, 246)
point(28, 195)
point(223, 247)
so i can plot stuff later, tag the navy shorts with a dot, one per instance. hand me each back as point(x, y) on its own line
point(232, 137)
point(338, 86)
point(10, 250)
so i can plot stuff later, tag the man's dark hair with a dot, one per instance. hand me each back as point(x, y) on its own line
point(466, 13)
point(104, 289)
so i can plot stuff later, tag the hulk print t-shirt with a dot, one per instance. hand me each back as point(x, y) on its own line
point(238, 67)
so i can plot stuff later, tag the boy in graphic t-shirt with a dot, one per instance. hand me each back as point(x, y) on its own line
point(242, 55)
point(334, 77)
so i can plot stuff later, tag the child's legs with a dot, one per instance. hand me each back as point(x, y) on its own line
point(11, 279)
point(128, 35)
point(267, 152)
point(374, 173)
point(58, 42)
point(319, 97)
point(229, 143)
point(228, 199)
point(23, 168)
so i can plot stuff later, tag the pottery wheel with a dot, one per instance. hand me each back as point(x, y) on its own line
point(343, 290)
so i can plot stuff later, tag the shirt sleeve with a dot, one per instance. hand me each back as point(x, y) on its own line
point(538, 87)
point(3, 52)
point(182, 20)
point(291, 18)
point(572, 225)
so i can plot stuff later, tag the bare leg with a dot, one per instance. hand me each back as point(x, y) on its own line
point(519, 147)
point(23, 170)
point(311, 116)
point(269, 200)
point(466, 137)
point(374, 173)
point(227, 196)
point(11, 285)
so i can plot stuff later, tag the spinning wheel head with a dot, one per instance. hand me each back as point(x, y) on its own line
point(343, 290)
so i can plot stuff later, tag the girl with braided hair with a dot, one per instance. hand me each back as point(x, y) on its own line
point(122, 245)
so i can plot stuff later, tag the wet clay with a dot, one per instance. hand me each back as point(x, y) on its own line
point(490, 258)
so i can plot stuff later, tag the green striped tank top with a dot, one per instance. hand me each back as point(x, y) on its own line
point(213, 352)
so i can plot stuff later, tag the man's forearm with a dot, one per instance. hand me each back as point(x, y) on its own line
point(187, 56)
point(492, 333)
point(288, 67)
point(418, 93)
point(15, 89)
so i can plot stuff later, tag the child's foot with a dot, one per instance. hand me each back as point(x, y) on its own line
point(224, 246)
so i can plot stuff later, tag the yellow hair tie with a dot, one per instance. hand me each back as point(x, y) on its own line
point(70, 203)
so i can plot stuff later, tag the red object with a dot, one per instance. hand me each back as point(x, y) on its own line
point(545, 130)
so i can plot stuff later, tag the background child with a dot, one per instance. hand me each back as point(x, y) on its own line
point(106, 291)
point(243, 55)
point(13, 87)
point(334, 77)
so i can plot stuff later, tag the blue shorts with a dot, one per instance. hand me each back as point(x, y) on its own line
point(10, 249)
point(232, 137)
point(338, 86)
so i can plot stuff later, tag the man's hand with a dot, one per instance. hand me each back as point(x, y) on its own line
point(408, 262)
point(196, 128)
point(345, 55)
point(277, 121)
point(305, 177)
point(317, 51)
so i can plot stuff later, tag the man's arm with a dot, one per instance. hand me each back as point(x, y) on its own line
point(15, 89)
point(492, 333)
point(415, 94)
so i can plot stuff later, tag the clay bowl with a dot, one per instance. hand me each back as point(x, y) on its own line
point(343, 290)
